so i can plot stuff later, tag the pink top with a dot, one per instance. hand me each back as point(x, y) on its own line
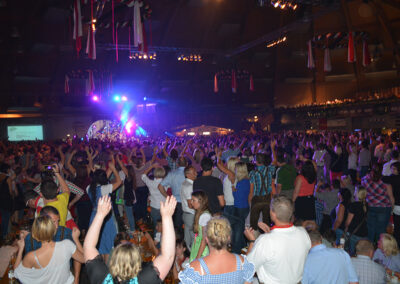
point(306, 188)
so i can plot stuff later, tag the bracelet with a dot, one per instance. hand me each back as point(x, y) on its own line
point(251, 241)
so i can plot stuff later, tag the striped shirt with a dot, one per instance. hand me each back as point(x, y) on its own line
point(72, 187)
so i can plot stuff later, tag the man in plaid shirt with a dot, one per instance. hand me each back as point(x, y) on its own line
point(380, 200)
point(368, 271)
point(261, 183)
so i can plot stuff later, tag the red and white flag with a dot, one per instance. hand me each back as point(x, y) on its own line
point(77, 33)
point(251, 83)
point(137, 25)
point(91, 44)
point(90, 83)
point(234, 82)
point(327, 61)
point(350, 49)
point(215, 84)
point(66, 84)
point(366, 56)
point(310, 59)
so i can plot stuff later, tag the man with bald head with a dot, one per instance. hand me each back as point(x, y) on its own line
point(368, 271)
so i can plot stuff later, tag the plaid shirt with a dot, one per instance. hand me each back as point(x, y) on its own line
point(256, 178)
point(367, 270)
point(376, 193)
point(72, 187)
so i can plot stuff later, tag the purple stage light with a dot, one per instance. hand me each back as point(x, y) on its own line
point(124, 98)
point(95, 98)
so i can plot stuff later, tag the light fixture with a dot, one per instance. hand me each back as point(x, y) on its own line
point(124, 98)
point(95, 98)
point(284, 4)
point(189, 57)
point(276, 42)
point(191, 133)
point(143, 56)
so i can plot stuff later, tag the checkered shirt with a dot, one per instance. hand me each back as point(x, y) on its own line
point(376, 193)
point(256, 179)
point(368, 271)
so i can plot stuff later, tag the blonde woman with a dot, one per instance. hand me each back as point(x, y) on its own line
point(220, 266)
point(241, 201)
point(50, 263)
point(387, 253)
point(125, 261)
point(356, 221)
point(227, 184)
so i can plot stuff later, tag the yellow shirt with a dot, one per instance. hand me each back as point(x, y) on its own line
point(62, 206)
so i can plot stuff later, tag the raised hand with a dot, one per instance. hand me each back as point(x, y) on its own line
point(104, 206)
point(167, 208)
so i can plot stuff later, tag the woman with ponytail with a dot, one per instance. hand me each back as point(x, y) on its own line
point(99, 186)
point(356, 222)
point(220, 266)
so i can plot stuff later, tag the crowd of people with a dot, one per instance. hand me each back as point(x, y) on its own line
point(284, 207)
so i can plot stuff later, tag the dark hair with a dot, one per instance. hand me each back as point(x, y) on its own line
point(280, 155)
point(397, 166)
point(260, 158)
point(376, 172)
point(308, 171)
point(187, 169)
point(49, 210)
point(49, 189)
point(364, 144)
point(181, 242)
point(346, 196)
point(206, 164)
point(30, 194)
point(395, 154)
point(121, 236)
point(174, 154)
point(98, 177)
point(336, 183)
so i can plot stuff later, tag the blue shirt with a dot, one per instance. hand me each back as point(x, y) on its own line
point(175, 179)
point(57, 238)
point(241, 194)
point(328, 265)
point(392, 262)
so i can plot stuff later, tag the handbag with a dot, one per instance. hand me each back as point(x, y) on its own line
point(347, 236)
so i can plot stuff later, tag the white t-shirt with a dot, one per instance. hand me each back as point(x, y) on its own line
point(155, 195)
point(105, 189)
point(57, 271)
point(186, 194)
point(279, 256)
point(204, 218)
point(352, 161)
point(228, 195)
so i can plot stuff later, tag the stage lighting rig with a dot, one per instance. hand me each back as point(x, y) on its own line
point(143, 56)
point(285, 4)
point(190, 58)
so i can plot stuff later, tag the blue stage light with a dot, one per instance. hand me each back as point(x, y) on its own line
point(145, 98)
point(117, 98)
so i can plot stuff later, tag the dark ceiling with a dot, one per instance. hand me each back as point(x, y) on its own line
point(37, 50)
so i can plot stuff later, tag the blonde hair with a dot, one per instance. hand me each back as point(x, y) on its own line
point(232, 161)
point(241, 171)
point(159, 172)
point(361, 196)
point(389, 245)
point(125, 262)
point(218, 232)
point(43, 229)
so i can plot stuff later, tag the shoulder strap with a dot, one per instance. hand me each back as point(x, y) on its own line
point(62, 233)
point(32, 243)
point(204, 266)
point(37, 260)
point(263, 185)
point(238, 263)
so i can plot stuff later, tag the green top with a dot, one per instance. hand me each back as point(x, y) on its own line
point(286, 176)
